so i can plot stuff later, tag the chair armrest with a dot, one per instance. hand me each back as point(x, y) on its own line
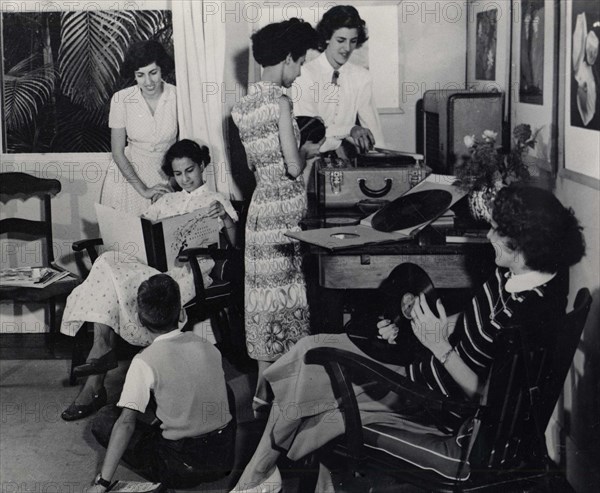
point(435, 401)
point(212, 251)
point(81, 245)
point(89, 246)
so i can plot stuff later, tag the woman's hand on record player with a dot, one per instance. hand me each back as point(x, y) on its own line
point(363, 138)
point(388, 331)
point(431, 331)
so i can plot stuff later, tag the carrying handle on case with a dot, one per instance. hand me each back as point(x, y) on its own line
point(369, 192)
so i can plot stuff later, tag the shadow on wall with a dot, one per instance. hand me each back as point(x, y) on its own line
point(242, 176)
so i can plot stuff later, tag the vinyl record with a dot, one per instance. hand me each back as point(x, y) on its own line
point(311, 129)
point(334, 221)
point(399, 291)
point(397, 295)
point(411, 210)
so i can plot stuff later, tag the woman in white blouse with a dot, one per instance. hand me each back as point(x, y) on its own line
point(337, 90)
point(143, 122)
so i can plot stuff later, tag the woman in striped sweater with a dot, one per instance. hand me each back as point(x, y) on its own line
point(535, 239)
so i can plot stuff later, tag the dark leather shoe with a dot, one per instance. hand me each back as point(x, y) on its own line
point(80, 411)
point(97, 366)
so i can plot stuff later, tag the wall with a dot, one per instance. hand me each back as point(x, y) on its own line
point(403, 66)
point(427, 29)
point(579, 422)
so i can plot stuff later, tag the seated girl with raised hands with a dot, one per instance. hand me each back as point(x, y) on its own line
point(107, 298)
point(185, 162)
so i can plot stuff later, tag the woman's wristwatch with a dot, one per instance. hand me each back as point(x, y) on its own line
point(99, 480)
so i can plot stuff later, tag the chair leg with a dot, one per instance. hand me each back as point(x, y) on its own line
point(51, 319)
point(220, 325)
point(309, 473)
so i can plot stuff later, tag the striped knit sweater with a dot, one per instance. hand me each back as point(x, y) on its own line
point(536, 311)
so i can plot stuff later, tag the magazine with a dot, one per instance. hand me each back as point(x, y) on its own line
point(155, 243)
point(31, 277)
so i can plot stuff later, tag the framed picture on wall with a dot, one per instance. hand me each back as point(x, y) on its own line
point(534, 77)
point(531, 39)
point(488, 46)
point(580, 91)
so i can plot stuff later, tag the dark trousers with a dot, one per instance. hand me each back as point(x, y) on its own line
point(180, 463)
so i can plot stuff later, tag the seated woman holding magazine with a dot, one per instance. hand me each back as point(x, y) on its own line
point(107, 298)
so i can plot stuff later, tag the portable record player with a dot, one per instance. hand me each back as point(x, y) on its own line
point(380, 174)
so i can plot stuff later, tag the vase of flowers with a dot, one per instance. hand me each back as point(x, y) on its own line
point(487, 168)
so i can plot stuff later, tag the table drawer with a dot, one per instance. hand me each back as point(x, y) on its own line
point(368, 271)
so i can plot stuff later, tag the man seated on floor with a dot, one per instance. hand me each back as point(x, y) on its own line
point(174, 424)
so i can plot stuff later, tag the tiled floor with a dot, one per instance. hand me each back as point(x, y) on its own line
point(41, 453)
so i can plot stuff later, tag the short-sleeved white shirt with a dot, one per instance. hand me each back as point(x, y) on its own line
point(147, 132)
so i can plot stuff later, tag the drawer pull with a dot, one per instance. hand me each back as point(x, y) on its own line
point(369, 192)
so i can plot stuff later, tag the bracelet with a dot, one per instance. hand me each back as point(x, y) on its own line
point(101, 481)
point(444, 358)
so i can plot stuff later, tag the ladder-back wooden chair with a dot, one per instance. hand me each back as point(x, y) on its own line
point(21, 186)
point(507, 445)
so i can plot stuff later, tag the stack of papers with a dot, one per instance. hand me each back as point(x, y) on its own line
point(31, 277)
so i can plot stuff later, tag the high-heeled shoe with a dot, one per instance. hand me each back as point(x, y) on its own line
point(80, 411)
point(97, 366)
point(270, 485)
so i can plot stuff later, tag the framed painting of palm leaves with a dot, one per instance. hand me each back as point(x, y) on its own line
point(60, 70)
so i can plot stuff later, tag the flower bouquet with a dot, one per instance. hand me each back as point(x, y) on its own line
point(487, 168)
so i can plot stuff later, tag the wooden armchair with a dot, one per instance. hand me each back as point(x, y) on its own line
point(507, 445)
point(14, 186)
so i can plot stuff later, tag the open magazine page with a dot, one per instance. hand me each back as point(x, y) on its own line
point(155, 243)
point(189, 230)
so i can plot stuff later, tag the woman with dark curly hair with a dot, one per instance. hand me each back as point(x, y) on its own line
point(276, 308)
point(336, 89)
point(143, 122)
point(536, 240)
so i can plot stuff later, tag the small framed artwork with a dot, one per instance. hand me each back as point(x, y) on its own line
point(532, 37)
point(534, 77)
point(580, 91)
point(488, 45)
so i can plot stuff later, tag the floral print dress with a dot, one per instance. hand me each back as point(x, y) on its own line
point(276, 308)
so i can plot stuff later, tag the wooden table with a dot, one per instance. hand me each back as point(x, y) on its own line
point(450, 266)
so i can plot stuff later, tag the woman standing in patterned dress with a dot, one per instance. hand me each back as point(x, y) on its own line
point(276, 308)
point(143, 122)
